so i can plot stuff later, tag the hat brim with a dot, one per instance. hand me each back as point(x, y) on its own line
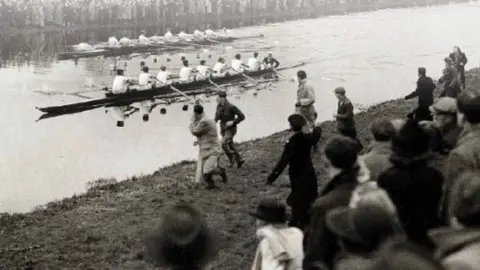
point(338, 222)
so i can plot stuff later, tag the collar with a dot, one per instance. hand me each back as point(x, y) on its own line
point(302, 82)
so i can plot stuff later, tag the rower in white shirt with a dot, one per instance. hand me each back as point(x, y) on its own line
point(113, 42)
point(144, 84)
point(219, 68)
point(203, 71)
point(184, 36)
point(209, 32)
point(120, 85)
point(185, 72)
point(125, 42)
point(163, 75)
point(237, 64)
point(254, 63)
point(142, 39)
point(198, 34)
point(168, 34)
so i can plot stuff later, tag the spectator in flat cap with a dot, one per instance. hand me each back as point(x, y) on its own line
point(205, 130)
point(183, 240)
point(361, 227)
point(345, 117)
point(459, 245)
point(377, 159)
point(279, 245)
point(414, 186)
point(400, 254)
point(345, 171)
point(424, 92)
point(303, 180)
point(229, 116)
point(466, 154)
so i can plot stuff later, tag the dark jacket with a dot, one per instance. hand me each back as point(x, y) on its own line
point(297, 155)
point(345, 115)
point(451, 83)
point(320, 243)
point(272, 61)
point(460, 62)
point(228, 112)
point(416, 190)
point(424, 92)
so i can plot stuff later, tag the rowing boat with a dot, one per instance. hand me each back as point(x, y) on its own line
point(157, 92)
point(163, 46)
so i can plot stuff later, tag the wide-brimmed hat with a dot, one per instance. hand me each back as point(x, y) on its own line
point(364, 224)
point(297, 120)
point(444, 105)
point(271, 210)
point(411, 141)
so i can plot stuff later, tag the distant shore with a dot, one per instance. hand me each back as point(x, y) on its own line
point(248, 20)
point(103, 228)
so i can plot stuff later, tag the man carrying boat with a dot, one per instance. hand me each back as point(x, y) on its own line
point(205, 130)
point(142, 39)
point(163, 75)
point(271, 62)
point(202, 71)
point(254, 63)
point(229, 116)
point(185, 72)
point(113, 42)
point(219, 68)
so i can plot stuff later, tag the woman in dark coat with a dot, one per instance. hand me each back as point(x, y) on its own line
point(414, 187)
point(459, 61)
point(345, 173)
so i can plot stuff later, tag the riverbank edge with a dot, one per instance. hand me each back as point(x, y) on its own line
point(307, 13)
point(103, 228)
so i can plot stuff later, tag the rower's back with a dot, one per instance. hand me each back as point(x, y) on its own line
point(119, 83)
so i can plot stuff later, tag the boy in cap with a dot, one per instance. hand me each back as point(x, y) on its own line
point(229, 116)
point(303, 180)
point(205, 130)
point(279, 245)
point(345, 117)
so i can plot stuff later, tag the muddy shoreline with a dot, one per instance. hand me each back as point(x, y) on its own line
point(103, 228)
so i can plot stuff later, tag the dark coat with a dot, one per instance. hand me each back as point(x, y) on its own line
point(451, 83)
point(303, 179)
point(228, 112)
point(460, 62)
point(320, 243)
point(272, 61)
point(424, 92)
point(416, 190)
point(345, 115)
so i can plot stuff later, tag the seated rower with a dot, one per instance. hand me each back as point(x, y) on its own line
point(270, 62)
point(113, 42)
point(203, 71)
point(209, 33)
point(184, 36)
point(144, 84)
point(125, 42)
point(185, 72)
point(142, 39)
point(163, 75)
point(220, 69)
point(120, 85)
point(237, 64)
point(168, 35)
point(83, 47)
point(197, 34)
point(254, 63)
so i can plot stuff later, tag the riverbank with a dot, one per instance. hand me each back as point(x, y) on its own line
point(103, 228)
point(186, 21)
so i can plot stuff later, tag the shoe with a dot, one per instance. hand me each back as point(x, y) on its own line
point(240, 163)
point(223, 174)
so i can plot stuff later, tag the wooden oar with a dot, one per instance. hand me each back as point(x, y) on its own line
point(213, 83)
point(177, 90)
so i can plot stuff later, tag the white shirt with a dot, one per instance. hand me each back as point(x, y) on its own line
point(162, 76)
point(237, 65)
point(168, 34)
point(209, 33)
point(143, 39)
point(113, 42)
point(228, 32)
point(202, 70)
point(143, 79)
point(185, 73)
point(125, 41)
point(182, 35)
point(218, 67)
point(253, 63)
point(119, 84)
point(198, 33)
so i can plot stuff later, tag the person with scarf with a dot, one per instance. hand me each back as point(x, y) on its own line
point(205, 130)
point(345, 171)
point(280, 247)
point(459, 61)
point(303, 180)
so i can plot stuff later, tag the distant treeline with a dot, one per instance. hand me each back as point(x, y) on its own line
point(53, 14)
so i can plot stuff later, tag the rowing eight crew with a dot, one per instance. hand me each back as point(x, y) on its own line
point(142, 39)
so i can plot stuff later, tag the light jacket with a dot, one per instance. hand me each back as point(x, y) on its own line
point(305, 94)
point(207, 137)
point(279, 249)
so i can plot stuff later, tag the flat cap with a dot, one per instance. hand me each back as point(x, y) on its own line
point(222, 94)
point(340, 90)
point(445, 105)
point(297, 120)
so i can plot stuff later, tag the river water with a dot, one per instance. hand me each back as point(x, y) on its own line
point(373, 55)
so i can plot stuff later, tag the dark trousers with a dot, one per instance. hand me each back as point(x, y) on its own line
point(421, 114)
point(300, 217)
point(229, 147)
point(352, 134)
point(461, 73)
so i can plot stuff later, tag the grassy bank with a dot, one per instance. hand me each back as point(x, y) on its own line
point(103, 228)
point(250, 18)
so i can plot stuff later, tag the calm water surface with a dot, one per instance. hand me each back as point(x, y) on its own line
point(373, 55)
